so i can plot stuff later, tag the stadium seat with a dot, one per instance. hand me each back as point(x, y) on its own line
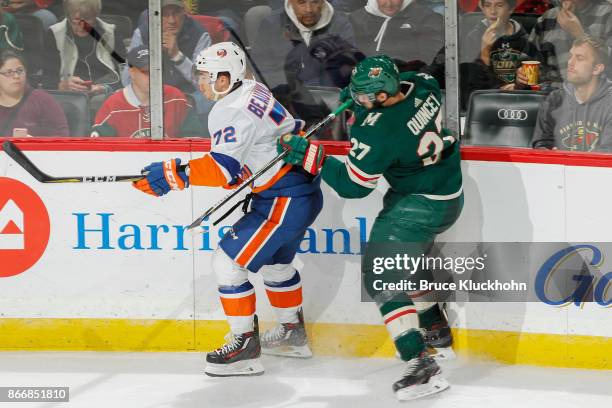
point(252, 21)
point(77, 110)
point(328, 96)
point(33, 44)
point(497, 118)
point(123, 26)
point(214, 25)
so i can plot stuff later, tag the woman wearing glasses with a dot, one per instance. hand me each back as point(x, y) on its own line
point(25, 111)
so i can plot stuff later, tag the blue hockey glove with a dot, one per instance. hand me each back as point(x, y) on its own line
point(161, 177)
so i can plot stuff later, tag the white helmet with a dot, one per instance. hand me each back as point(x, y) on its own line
point(222, 57)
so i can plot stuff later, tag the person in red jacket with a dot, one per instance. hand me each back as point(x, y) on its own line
point(126, 113)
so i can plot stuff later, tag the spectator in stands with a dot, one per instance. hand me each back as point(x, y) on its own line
point(405, 30)
point(182, 40)
point(523, 6)
point(10, 34)
point(126, 113)
point(25, 111)
point(553, 34)
point(492, 51)
point(305, 43)
point(81, 52)
point(578, 116)
point(37, 8)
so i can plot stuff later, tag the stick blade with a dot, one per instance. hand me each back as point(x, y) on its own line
point(17, 155)
point(198, 221)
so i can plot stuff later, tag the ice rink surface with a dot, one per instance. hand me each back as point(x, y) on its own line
point(139, 380)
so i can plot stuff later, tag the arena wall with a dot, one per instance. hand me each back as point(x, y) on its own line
point(119, 272)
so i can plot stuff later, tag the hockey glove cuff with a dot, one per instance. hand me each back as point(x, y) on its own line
point(301, 152)
point(161, 177)
point(314, 158)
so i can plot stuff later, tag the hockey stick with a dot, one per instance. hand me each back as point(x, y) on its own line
point(21, 159)
point(312, 130)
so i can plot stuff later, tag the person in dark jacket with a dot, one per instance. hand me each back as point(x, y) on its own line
point(578, 116)
point(493, 50)
point(182, 40)
point(405, 30)
point(306, 43)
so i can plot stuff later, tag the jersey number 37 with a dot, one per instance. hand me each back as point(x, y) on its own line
point(431, 139)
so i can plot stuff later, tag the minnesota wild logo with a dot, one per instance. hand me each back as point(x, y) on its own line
point(505, 61)
point(144, 133)
point(375, 72)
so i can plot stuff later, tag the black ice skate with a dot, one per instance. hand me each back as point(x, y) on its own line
point(439, 341)
point(287, 339)
point(422, 377)
point(240, 356)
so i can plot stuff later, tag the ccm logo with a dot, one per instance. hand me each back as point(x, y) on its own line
point(512, 114)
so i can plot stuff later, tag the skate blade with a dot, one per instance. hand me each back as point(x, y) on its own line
point(288, 351)
point(239, 368)
point(435, 384)
point(442, 353)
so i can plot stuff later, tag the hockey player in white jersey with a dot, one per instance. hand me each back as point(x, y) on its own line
point(245, 124)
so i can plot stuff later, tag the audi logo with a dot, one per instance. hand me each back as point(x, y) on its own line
point(512, 114)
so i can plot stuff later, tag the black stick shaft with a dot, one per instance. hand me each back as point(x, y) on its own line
point(20, 158)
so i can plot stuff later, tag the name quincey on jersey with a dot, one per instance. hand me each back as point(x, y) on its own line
point(260, 100)
point(424, 115)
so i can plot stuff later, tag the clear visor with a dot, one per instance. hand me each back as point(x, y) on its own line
point(208, 77)
point(362, 98)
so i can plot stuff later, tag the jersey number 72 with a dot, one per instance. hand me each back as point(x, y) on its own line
point(228, 135)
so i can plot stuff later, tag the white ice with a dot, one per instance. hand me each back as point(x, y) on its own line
point(158, 380)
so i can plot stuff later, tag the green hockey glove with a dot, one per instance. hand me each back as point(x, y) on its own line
point(301, 152)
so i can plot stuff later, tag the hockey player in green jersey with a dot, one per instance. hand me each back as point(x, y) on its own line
point(397, 135)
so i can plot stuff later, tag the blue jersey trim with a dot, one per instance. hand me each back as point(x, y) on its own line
point(227, 162)
point(229, 290)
